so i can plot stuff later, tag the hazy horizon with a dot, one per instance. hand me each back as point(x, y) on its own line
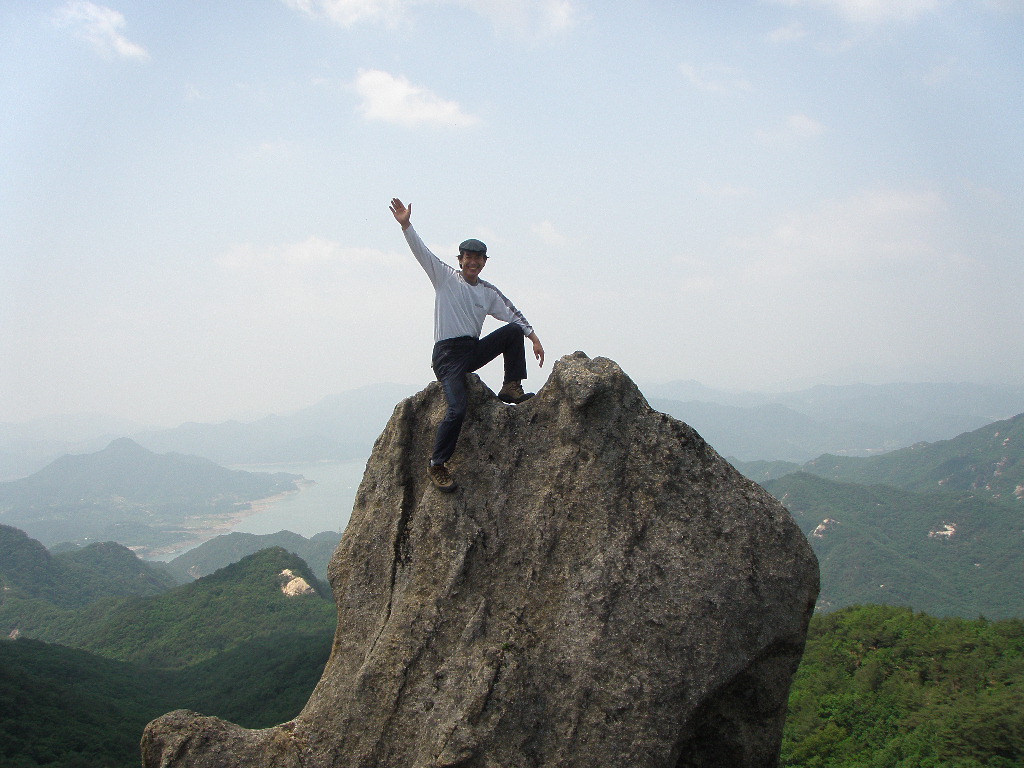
point(194, 218)
point(650, 389)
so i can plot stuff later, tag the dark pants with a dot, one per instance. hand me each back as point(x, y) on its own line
point(453, 359)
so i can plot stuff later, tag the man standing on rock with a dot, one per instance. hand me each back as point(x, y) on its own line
point(461, 302)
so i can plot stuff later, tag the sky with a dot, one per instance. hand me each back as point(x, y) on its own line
point(762, 195)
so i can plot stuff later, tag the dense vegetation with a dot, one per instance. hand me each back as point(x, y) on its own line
point(946, 554)
point(65, 708)
point(879, 687)
point(884, 687)
point(935, 526)
point(230, 644)
point(74, 577)
point(187, 624)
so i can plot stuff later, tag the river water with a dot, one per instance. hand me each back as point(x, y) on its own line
point(323, 505)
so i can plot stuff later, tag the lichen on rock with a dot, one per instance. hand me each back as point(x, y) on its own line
point(603, 590)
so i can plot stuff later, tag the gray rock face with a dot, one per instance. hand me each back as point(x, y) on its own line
point(603, 590)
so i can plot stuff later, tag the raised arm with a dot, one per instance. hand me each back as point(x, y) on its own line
point(435, 268)
point(401, 212)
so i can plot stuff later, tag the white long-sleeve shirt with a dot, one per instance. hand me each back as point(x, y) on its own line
point(460, 308)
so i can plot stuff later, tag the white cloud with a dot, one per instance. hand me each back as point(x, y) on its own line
point(804, 126)
point(345, 13)
point(797, 126)
point(872, 11)
point(868, 282)
point(714, 78)
point(549, 235)
point(875, 233)
point(395, 100)
point(100, 27)
point(540, 16)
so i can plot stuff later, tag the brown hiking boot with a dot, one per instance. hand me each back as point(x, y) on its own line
point(512, 392)
point(441, 477)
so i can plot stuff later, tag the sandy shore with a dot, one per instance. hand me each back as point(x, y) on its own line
point(199, 529)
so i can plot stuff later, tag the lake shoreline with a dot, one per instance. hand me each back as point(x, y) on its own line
point(322, 501)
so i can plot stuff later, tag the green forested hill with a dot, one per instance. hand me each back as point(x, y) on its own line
point(988, 462)
point(883, 687)
point(62, 707)
point(75, 577)
point(947, 554)
point(935, 526)
point(187, 624)
point(231, 547)
point(65, 707)
point(231, 644)
point(878, 687)
point(129, 494)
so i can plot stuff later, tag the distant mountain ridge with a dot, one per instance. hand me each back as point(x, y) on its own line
point(988, 462)
point(865, 402)
point(225, 549)
point(129, 494)
point(339, 427)
point(857, 419)
point(29, 446)
point(853, 420)
point(126, 470)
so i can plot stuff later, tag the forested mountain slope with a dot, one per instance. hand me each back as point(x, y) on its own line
point(187, 624)
point(232, 547)
point(945, 553)
point(988, 461)
point(75, 577)
point(885, 687)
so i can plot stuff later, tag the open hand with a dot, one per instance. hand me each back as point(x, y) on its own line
point(401, 212)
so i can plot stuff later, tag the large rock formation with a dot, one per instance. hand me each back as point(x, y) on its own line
point(604, 591)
